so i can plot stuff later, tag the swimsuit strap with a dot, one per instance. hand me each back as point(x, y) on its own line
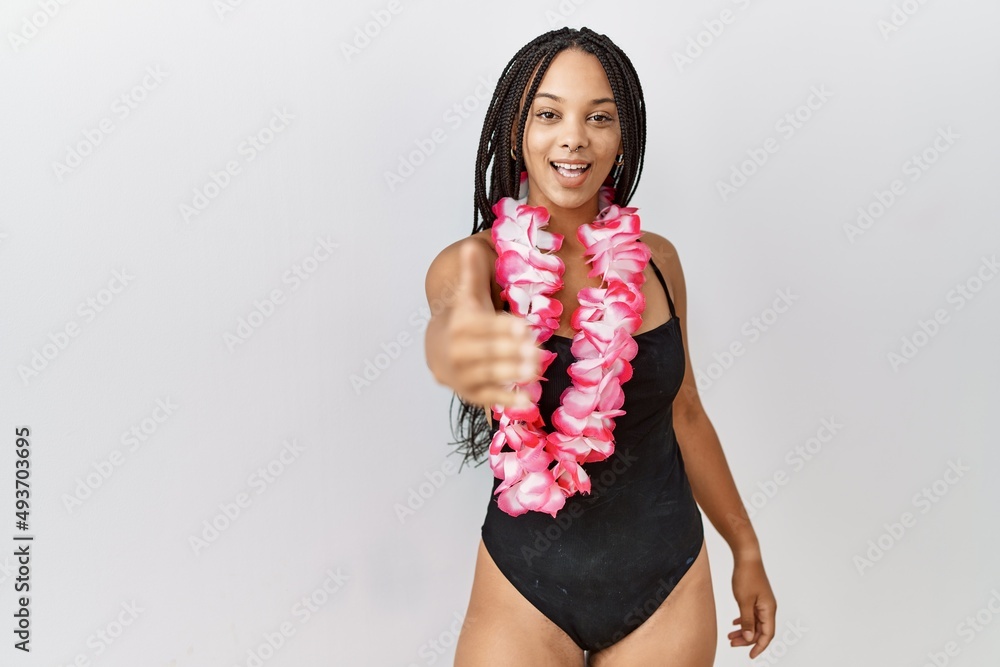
point(664, 283)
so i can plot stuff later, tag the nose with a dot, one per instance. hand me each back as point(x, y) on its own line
point(574, 135)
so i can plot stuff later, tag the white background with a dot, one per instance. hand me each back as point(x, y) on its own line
point(351, 117)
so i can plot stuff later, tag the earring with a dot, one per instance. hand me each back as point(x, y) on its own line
point(621, 160)
point(512, 156)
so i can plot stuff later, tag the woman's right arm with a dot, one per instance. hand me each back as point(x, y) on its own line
point(469, 346)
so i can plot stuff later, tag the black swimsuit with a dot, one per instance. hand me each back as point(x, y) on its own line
point(609, 559)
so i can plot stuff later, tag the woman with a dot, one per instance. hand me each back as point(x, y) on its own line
point(592, 550)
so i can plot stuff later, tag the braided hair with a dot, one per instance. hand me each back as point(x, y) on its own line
point(530, 63)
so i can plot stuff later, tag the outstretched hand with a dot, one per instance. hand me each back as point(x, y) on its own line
point(482, 352)
point(757, 607)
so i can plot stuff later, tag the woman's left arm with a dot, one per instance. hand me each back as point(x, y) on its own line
point(712, 481)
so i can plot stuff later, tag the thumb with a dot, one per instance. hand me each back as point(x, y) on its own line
point(468, 292)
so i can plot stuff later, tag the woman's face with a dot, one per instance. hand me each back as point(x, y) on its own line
point(573, 121)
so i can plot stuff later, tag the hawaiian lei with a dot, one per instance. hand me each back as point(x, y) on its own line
point(541, 469)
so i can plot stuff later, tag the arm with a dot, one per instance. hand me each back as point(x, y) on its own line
point(708, 472)
point(712, 483)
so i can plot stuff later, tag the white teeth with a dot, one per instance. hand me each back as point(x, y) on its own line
point(570, 170)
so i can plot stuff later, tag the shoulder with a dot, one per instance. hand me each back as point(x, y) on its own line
point(485, 238)
point(664, 253)
point(665, 256)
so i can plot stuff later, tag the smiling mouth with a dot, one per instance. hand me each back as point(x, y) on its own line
point(570, 170)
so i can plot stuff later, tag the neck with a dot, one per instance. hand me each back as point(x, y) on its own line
point(565, 221)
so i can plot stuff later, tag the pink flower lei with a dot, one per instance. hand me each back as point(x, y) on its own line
point(541, 469)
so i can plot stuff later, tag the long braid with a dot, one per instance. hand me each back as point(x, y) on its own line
point(523, 74)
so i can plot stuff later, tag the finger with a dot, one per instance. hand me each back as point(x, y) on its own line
point(497, 327)
point(518, 328)
point(490, 379)
point(492, 347)
point(472, 301)
point(736, 636)
point(747, 619)
point(491, 374)
point(493, 396)
point(481, 365)
point(765, 627)
point(736, 639)
point(487, 359)
point(488, 349)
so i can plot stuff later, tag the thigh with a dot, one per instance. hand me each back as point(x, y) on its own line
point(682, 632)
point(502, 628)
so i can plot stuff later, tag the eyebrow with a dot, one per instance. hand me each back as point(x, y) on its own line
point(599, 100)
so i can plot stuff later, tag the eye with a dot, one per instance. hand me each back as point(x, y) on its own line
point(542, 114)
point(602, 117)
